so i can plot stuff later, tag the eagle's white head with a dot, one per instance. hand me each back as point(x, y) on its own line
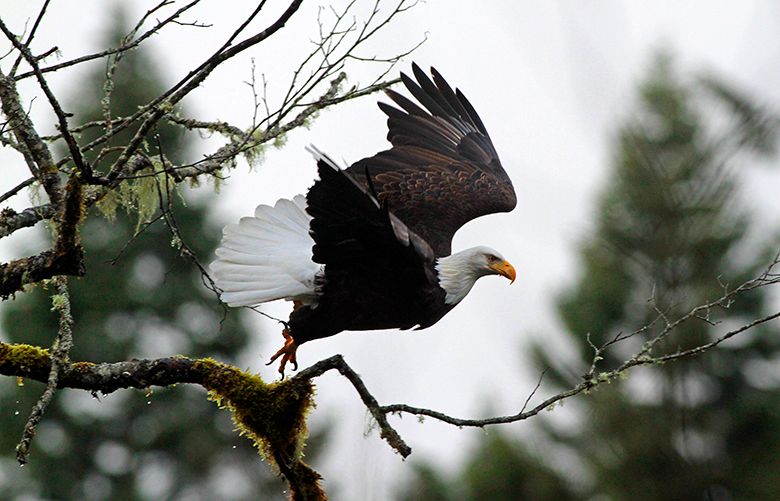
point(460, 271)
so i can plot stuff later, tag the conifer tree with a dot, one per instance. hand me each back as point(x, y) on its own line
point(671, 235)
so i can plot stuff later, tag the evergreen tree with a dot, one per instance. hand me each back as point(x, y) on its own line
point(670, 228)
point(139, 299)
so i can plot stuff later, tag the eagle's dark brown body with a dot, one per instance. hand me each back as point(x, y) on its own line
point(379, 226)
point(396, 288)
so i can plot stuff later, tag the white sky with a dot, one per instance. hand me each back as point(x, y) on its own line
point(549, 80)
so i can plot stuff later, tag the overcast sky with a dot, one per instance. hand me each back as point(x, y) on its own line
point(549, 79)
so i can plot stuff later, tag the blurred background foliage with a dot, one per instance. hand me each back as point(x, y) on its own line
point(140, 298)
point(672, 229)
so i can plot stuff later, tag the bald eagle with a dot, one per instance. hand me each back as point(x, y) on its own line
point(369, 247)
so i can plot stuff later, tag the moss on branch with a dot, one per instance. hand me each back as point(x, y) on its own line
point(272, 415)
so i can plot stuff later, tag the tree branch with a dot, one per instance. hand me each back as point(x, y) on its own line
point(59, 362)
point(35, 150)
point(386, 431)
point(16, 189)
point(62, 117)
point(10, 220)
point(34, 363)
point(195, 78)
point(34, 269)
point(272, 415)
point(124, 47)
point(67, 257)
point(30, 37)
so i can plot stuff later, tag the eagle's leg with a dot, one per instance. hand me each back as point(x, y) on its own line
point(287, 352)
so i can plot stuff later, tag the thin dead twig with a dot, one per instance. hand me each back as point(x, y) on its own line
point(122, 48)
point(59, 363)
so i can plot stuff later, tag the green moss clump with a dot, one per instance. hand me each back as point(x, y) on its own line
point(272, 415)
point(16, 358)
point(23, 354)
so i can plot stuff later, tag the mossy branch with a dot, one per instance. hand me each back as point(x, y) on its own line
point(67, 257)
point(10, 220)
point(36, 152)
point(272, 415)
point(20, 272)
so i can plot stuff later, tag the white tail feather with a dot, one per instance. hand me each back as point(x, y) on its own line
point(267, 256)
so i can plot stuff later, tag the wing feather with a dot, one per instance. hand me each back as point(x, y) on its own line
point(442, 170)
point(357, 238)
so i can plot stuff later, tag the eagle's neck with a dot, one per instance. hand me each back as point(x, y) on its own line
point(457, 274)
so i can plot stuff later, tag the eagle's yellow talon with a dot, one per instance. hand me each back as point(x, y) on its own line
point(287, 352)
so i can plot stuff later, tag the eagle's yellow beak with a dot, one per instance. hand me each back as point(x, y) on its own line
point(505, 270)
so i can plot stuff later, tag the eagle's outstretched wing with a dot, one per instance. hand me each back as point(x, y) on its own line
point(442, 170)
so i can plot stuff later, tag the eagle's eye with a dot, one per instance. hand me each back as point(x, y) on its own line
point(492, 259)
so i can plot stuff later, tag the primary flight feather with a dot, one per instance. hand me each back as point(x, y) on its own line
point(369, 247)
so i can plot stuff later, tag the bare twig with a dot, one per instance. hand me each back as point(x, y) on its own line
point(386, 431)
point(10, 220)
point(196, 77)
point(122, 48)
point(29, 37)
point(36, 153)
point(62, 117)
point(533, 392)
point(643, 357)
point(700, 349)
point(59, 363)
point(16, 189)
point(332, 51)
